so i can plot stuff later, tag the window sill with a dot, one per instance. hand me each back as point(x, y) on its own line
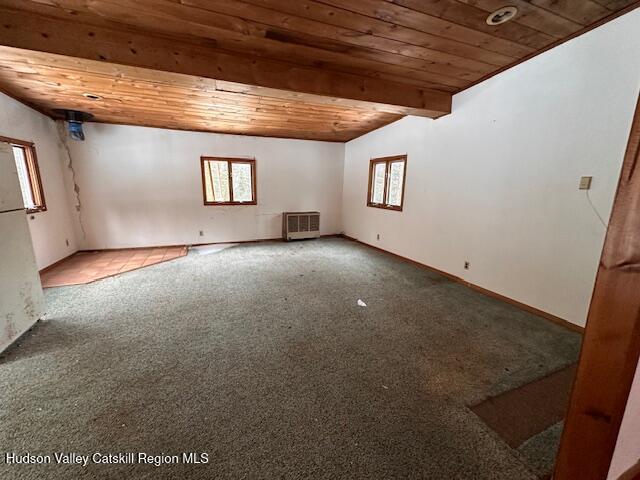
point(215, 204)
point(384, 207)
point(29, 211)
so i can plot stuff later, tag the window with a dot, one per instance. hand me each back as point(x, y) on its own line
point(228, 181)
point(24, 154)
point(386, 182)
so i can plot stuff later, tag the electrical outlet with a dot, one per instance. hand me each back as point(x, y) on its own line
point(585, 183)
point(378, 237)
point(466, 265)
point(201, 233)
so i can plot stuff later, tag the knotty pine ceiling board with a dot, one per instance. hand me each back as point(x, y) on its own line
point(416, 49)
point(138, 96)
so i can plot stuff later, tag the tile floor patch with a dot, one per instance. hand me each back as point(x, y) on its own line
point(86, 267)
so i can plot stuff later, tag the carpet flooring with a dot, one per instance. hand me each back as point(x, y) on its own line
point(261, 357)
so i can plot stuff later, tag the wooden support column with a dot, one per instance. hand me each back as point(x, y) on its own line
point(611, 345)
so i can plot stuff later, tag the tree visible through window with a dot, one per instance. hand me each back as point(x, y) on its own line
point(386, 182)
point(24, 154)
point(228, 181)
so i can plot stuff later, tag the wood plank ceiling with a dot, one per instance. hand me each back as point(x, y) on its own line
point(321, 69)
point(139, 96)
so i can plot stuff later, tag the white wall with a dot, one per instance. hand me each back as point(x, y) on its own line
point(495, 182)
point(142, 186)
point(50, 230)
point(627, 452)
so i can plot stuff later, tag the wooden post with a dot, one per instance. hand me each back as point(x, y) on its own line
point(611, 345)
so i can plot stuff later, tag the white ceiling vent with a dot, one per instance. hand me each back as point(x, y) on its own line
point(298, 225)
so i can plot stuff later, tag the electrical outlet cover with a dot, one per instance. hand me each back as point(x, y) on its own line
point(585, 183)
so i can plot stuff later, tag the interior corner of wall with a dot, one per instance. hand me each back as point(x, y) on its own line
point(71, 185)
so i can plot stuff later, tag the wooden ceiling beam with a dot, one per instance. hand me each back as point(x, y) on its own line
point(31, 31)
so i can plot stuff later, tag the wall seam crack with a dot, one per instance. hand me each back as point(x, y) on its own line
point(76, 188)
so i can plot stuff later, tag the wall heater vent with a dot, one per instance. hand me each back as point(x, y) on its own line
point(297, 225)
